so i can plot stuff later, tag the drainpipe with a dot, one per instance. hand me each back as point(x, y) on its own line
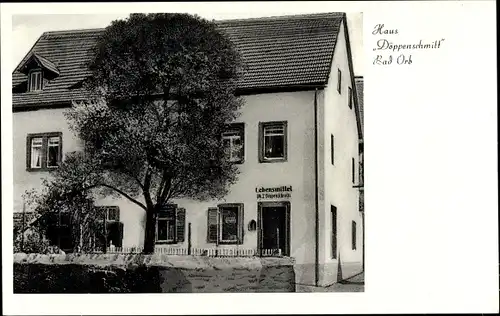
point(316, 192)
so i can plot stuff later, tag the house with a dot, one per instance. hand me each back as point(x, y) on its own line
point(300, 129)
point(360, 91)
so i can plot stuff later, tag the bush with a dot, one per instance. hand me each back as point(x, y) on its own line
point(33, 243)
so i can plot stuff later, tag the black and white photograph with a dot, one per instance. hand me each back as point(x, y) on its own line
point(167, 152)
point(221, 150)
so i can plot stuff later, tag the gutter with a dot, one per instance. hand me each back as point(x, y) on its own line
point(316, 189)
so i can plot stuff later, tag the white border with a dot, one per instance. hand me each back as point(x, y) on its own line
point(431, 171)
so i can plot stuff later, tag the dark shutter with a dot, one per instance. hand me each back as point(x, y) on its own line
point(212, 225)
point(180, 224)
point(119, 241)
point(240, 224)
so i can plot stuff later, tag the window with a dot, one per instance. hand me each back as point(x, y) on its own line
point(35, 80)
point(233, 140)
point(353, 235)
point(339, 81)
point(111, 213)
point(225, 224)
point(350, 98)
point(273, 141)
point(334, 231)
point(332, 149)
point(353, 166)
point(113, 230)
point(53, 152)
point(36, 152)
point(43, 151)
point(170, 225)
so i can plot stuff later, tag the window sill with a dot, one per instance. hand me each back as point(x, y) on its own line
point(41, 169)
point(166, 242)
point(264, 160)
point(229, 242)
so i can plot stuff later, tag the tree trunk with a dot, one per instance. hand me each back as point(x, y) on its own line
point(150, 232)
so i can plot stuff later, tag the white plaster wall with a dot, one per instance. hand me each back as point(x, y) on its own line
point(296, 108)
point(41, 121)
point(298, 171)
point(53, 120)
point(340, 121)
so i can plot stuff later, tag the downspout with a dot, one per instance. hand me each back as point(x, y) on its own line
point(316, 191)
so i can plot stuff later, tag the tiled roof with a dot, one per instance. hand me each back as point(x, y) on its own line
point(359, 90)
point(278, 51)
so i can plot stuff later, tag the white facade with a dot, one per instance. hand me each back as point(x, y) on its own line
point(309, 244)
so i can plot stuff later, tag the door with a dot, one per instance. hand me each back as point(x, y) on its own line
point(274, 228)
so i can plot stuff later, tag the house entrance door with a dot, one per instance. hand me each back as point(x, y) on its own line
point(274, 228)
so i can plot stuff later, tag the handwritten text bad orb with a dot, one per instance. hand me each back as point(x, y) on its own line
point(400, 53)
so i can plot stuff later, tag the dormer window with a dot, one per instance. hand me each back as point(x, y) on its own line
point(35, 82)
point(39, 71)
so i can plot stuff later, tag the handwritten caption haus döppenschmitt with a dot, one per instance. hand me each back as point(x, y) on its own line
point(391, 52)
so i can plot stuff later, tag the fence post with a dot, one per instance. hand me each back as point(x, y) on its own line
point(189, 239)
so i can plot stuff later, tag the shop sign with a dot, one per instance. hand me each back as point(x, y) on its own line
point(274, 192)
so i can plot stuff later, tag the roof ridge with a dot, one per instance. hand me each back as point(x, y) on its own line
point(66, 32)
point(265, 18)
point(283, 17)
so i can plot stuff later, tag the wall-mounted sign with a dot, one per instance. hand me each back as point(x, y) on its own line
point(274, 192)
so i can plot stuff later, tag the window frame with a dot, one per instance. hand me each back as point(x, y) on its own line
point(354, 230)
point(165, 209)
point(218, 224)
point(240, 129)
point(339, 81)
point(239, 223)
point(262, 156)
point(350, 96)
point(334, 231)
point(107, 208)
point(30, 79)
point(353, 170)
point(332, 149)
point(44, 153)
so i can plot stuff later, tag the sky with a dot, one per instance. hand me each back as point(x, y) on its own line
point(26, 29)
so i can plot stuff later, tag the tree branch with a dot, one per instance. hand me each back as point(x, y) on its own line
point(124, 194)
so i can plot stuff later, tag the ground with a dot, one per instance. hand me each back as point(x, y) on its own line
point(353, 284)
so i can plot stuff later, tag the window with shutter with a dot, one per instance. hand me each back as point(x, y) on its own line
point(212, 219)
point(225, 224)
point(165, 225)
point(180, 224)
point(231, 223)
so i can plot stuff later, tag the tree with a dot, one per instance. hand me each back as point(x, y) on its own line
point(162, 90)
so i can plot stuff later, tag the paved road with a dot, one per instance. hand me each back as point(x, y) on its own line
point(354, 284)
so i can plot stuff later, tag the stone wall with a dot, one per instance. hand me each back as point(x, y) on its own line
point(120, 273)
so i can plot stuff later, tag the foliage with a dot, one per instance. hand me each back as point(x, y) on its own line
point(162, 88)
point(33, 242)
